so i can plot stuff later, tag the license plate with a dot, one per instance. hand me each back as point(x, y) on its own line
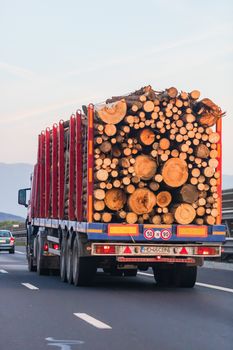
point(156, 250)
point(2, 241)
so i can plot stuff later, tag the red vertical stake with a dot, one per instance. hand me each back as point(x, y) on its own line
point(54, 172)
point(61, 171)
point(79, 167)
point(42, 175)
point(33, 193)
point(71, 213)
point(37, 181)
point(47, 173)
point(90, 161)
point(219, 169)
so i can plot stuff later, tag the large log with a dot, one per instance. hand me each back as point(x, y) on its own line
point(175, 172)
point(189, 193)
point(113, 113)
point(184, 213)
point(145, 167)
point(115, 199)
point(142, 201)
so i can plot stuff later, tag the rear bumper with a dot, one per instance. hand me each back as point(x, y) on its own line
point(155, 251)
point(7, 247)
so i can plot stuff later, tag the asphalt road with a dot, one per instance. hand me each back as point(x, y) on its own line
point(135, 314)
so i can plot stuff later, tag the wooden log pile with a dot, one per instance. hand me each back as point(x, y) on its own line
point(155, 158)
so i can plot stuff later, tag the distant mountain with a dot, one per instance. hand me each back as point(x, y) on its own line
point(10, 217)
point(12, 178)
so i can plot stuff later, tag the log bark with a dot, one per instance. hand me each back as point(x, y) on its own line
point(202, 151)
point(188, 193)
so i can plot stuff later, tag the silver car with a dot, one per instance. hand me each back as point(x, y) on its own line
point(7, 241)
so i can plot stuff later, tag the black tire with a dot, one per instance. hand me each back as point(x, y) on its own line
point(130, 273)
point(164, 276)
point(69, 264)
point(186, 276)
point(39, 257)
point(12, 251)
point(31, 266)
point(63, 261)
point(84, 269)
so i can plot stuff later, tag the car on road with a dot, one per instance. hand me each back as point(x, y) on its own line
point(7, 241)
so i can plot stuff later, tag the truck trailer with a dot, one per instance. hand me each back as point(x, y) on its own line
point(131, 184)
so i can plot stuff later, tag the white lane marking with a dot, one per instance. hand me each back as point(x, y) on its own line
point(3, 271)
point(18, 252)
point(93, 321)
point(229, 290)
point(145, 274)
point(212, 286)
point(29, 286)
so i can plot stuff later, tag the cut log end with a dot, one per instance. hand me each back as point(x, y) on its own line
point(142, 201)
point(115, 199)
point(175, 172)
point(184, 214)
point(113, 113)
point(145, 167)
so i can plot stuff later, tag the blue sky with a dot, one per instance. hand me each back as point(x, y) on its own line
point(57, 55)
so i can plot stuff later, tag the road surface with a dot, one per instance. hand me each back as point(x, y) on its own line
point(41, 312)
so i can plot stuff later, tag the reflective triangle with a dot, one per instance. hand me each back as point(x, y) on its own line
point(183, 251)
point(127, 250)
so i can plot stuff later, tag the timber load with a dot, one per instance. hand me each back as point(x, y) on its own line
point(156, 158)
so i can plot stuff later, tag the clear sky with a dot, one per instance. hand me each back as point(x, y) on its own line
point(56, 55)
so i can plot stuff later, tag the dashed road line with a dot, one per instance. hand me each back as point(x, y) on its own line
point(3, 271)
point(206, 285)
point(18, 252)
point(93, 321)
point(224, 289)
point(30, 286)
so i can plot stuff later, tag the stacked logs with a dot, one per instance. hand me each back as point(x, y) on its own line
point(156, 159)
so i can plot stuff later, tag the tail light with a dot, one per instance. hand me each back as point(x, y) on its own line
point(12, 240)
point(207, 251)
point(56, 246)
point(105, 249)
point(46, 247)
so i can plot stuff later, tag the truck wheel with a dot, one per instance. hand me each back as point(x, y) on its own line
point(31, 266)
point(63, 261)
point(84, 269)
point(163, 277)
point(185, 276)
point(69, 264)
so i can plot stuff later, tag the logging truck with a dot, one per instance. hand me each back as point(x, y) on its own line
point(130, 184)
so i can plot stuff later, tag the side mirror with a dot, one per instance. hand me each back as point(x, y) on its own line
point(22, 196)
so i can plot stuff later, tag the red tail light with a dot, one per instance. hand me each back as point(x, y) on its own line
point(207, 251)
point(46, 247)
point(56, 246)
point(106, 249)
point(12, 240)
